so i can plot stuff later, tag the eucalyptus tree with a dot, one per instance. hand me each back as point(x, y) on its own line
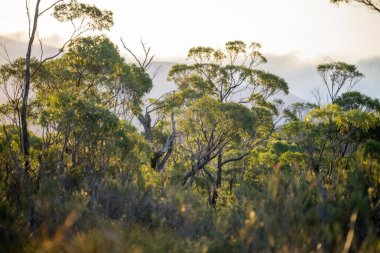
point(317, 139)
point(12, 77)
point(152, 113)
point(83, 18)
point(328, 137)
point(208, 128)
point(298, 111)
point(368, 164)
point(356, 100)
point(90, 72)
point(85, 142)
point(74, 97)
point(328, 134)
point(338, 76)
point(12, 82)
point(230, 79)
point(85, 70)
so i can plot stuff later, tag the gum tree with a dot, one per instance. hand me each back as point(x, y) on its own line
point(152, 113)
point(227, 81)
point(83, 18)
point(338, 77)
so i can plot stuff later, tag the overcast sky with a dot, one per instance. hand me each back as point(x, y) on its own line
point(310, 28)
point(307, 31)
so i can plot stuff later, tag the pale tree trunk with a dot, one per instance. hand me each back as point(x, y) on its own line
point(159, 158)
point(24, 124)
point(146, 122)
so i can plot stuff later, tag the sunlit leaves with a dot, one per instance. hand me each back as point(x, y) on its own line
point(97, 55)
point(228, 117)
point(240, 116)
point(15, 69)
point(368, 156)
point(269, 83)
point(72, 11)
point(135, 83)
point(226, 73)
point(343, 119)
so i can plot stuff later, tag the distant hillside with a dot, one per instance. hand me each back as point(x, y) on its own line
point(17, 49)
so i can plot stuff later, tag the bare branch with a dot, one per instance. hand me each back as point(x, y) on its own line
point(131, 52)
point(76, 33)
point(156, 72)
point(48, 8)
point(41, 47)
point(6, 57)
point(317, 96)
point(148, 59)
point(27, 2)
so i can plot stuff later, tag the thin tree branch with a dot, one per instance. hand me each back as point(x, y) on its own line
point(48, 8)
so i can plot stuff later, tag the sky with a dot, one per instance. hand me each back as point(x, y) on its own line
point(310, 28)
point(306, 31)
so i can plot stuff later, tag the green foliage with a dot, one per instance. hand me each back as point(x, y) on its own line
point(98, 55)
point(97, 19)
point(337, 75)
point(14, 70)
point(220, 73)
point(298, 111)
point(135, 83)
point(368, 157)
point(356, 100)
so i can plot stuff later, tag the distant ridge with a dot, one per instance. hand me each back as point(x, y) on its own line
point(17, 49)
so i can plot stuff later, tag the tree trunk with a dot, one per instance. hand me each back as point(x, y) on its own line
point(218, 182)
point(94, 194)
point(24, 123)
point(323, 194)
point(62, 155)
point(146, 122)
point(156, 162)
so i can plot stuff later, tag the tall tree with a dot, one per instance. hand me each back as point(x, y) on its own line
point(152, 113)
point(83, 18)
point(230, 77)
point(338, 76)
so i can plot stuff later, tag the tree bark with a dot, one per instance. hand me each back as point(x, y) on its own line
point(218, 182)
point(156, 162)
point(24, 123)
point(146, 122)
